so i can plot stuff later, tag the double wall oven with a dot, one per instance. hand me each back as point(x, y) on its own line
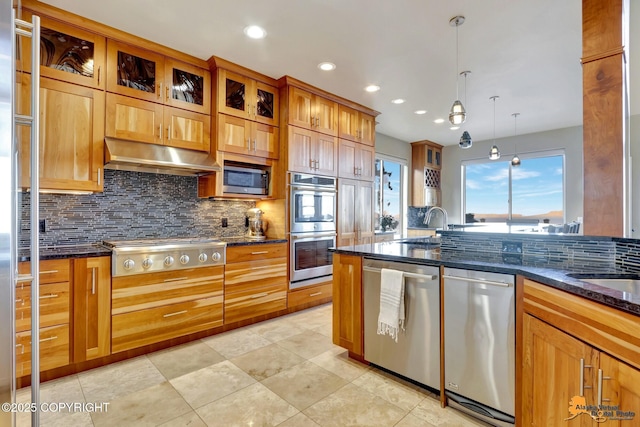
point(312, 214)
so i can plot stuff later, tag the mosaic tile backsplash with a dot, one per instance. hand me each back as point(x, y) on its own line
point(135, 205)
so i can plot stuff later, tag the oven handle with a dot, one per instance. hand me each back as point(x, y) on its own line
point(312, 236)
point(314, 189)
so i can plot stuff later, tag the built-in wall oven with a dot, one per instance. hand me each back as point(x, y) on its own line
point(312, 214)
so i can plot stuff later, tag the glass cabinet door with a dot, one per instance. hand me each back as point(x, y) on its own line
point(135, 72)
point(249, 99)
point(188, 87)
point(266, 104)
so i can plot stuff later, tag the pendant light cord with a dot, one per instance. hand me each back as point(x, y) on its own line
point(457, 65)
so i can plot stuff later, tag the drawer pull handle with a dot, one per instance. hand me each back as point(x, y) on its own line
point(174, 314)
point(49, 272)
point(48, 296)
point(315, 294)
point(93, 281)
point(175, 279)
point(259, 252)
point(48, 339)
point(263, 294)
point(20, 300)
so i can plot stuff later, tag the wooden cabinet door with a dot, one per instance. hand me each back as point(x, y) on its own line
point(347, 159)
point(91, 308)
point(551, 375)
point(134, 119)
point(265, 141)
point(347, 193)
point(347, 303)
point(234, 93)
point(187, 87)
point(265, 105)
point(326, 113)
point(186, 129)
point(364, 208)
point(300, 150)
point(620, 387)
point(326, 154)
point(71, 137)
point(234, 134)
point(300, 108)
point(135, 72)
point(367, 159)
point(348, 123)
point(366, 129)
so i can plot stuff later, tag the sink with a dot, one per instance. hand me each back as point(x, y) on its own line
point(626, 283)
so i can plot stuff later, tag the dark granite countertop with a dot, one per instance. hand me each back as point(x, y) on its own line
point(547, 270)
point(66, 251)
point(242, 241)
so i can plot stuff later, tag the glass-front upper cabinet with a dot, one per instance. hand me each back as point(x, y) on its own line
point(135, 72)
point(247, 98)
point(68, 53)
point(187, 87)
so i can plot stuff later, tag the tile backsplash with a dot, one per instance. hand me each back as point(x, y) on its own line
point(134, 205)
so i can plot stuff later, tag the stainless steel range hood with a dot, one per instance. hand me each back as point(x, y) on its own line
point(140, 157)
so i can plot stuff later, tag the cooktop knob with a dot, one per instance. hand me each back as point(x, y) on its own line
point(184, 259)
point(216, 256)
point(168, 261)
point(147, 263)
point(128, 264)
point(202, 257)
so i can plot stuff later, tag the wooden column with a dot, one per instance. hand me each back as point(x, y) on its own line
point(603, 65)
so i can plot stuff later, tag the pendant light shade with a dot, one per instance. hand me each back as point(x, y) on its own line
point(494, 153)
point(465, 140)
point(457, 115)
point(515, 161)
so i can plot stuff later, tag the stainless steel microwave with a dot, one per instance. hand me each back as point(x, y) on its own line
point(245, 180)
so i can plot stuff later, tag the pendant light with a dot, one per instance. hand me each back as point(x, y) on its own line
point(465, 139)
point(457, 115)
point(494, 153)
point(515, 162)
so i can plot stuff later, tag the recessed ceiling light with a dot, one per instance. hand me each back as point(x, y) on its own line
point(327, 66)
point(372, 88)
point(255, 32)
point(398, 101)
point(454, 127)
point(438, 121)
point(420, 111)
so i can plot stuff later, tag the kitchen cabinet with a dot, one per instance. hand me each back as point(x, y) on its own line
point(356, 161)
point(426, 162)
point(153, 307)
point(347, 304)
point(355, 212)
point(575, 347)
point(356, 126)
point(312, 152)
point(247, 98)
point(71, 136)
point(54, 304)
point(310, 111)
point(91, 308)
point(310, 295)
point(242, 136)
point(255, 281)
point(187, 87)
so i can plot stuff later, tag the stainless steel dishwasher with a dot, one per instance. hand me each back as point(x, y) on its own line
point(416, 355)
point(479, 344)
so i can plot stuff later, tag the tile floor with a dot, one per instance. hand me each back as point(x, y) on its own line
point(282, 372)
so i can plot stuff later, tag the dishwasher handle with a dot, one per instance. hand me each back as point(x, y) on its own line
point(481, 281)
point(406, 274)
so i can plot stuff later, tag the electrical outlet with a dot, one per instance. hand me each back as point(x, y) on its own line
point(43, 226)
point(225, 223)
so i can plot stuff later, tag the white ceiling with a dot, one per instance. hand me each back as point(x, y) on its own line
point(526, 52)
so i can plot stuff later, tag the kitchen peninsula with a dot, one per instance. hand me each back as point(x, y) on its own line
point(563, 323)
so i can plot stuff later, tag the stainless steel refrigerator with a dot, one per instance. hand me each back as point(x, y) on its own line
point(12, 33)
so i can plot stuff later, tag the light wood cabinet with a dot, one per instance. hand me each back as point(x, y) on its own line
point(247, 98)
point(255, 281)
point(356, 161)
point(313, 112)
point(347, 304)
point(91, 308)
point(355, 212)
point(308, 295)
point(71, 136)
point(149, 308)
point(242, 136)
point(426, 162)
point(356, 126)
point(187, 87)
point(312, 152)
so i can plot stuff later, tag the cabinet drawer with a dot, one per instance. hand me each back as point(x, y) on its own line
point(245, 276)
point(144, 291)
point(310, 294)
point(54, 305)
point(54, 349)
point(250, 252)
point(139, 328)
point(254, 302)
point(51, 271)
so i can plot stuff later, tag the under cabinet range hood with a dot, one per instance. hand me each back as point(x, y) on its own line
point(140, 157)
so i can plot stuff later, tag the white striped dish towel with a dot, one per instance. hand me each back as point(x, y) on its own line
point(391, 316)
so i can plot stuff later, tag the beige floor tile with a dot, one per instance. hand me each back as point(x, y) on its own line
point(337, 361)
point(61, 390)
point(429, 410)
point(75, 419)
point(176, 361)
point(401, 393)
point(353, 406)
point(325, 329)
point(307, 344)
point(299, 420)
point(277, 329)
point(190, 419)
point(304, 384)
point(112, 381)
point(267, 361)
point(211, 383)
point(149, 407)
point(234, 343)
point(255, 405)
point(412, 421)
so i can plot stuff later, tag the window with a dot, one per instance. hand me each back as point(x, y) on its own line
point(390, 198)
point(496, 192)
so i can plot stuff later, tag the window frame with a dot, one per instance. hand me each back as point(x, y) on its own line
point(404, 191)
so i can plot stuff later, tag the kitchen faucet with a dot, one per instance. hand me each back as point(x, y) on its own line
point(427, 216)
